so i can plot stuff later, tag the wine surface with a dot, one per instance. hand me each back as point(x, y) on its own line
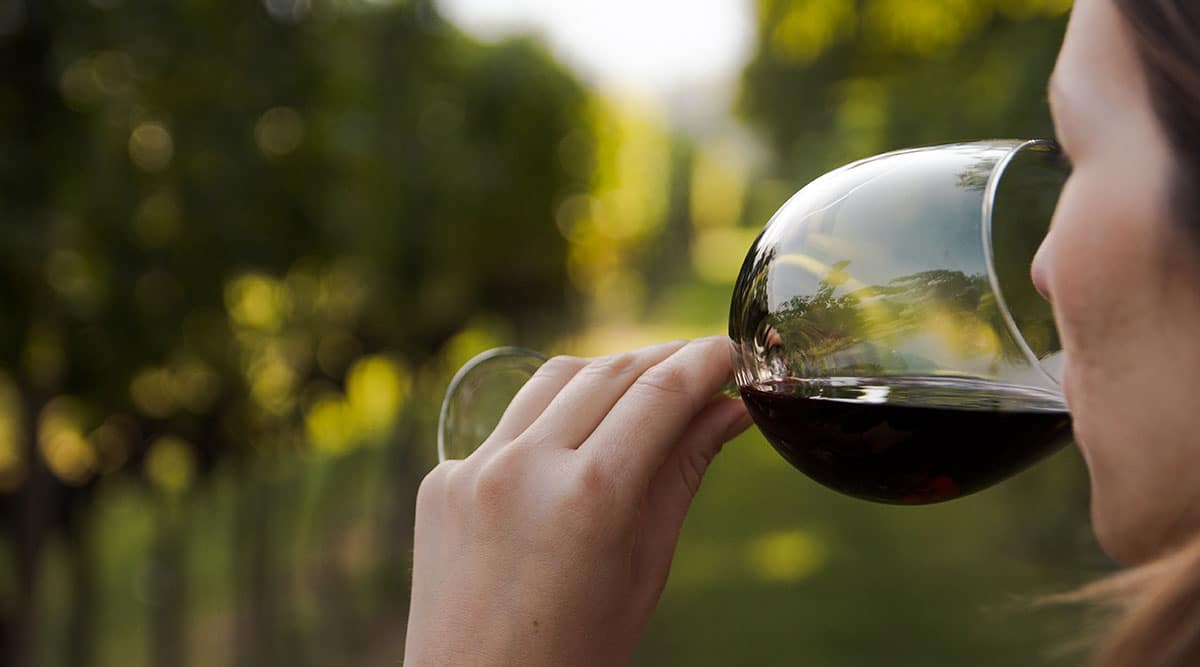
point(908, 440)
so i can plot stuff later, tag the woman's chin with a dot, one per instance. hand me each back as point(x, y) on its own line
point(1127, 538)
point(1107, 537)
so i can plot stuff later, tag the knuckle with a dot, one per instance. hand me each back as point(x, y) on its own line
point(614, 365)
point(559, 367)
point(584, 502)
point(665, 381)
point(498, 480)
point(458, 487)
point(436, 483)
point(592, 481)
point(437, 477)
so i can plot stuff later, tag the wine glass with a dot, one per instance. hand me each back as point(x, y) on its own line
point(888, 339)
point(478, 395)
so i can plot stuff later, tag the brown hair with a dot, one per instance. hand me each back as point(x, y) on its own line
point(1166, 34)
point(1157, 605)
point(1153, 613)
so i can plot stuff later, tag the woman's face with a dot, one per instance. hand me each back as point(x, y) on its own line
point(1122, 272)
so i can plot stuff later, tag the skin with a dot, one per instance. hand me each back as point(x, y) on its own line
point(550, 545)
point(1120, 267)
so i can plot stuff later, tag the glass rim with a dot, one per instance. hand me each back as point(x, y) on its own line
point(1017, 147)
point(461, 374)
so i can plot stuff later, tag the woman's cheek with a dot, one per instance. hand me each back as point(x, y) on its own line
point(1070, 258)
point(1093, 247)
point(1064, 262)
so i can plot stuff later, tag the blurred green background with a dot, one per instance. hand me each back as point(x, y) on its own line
point(243, 245)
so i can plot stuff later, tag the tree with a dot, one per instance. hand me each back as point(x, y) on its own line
point(214, 214)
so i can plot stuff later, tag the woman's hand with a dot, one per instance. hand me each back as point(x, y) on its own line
point(550, 545)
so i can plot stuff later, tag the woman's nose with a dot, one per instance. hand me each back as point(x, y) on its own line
point(1037, 270)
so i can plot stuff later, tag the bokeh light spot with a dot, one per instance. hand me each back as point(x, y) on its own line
point(329, 425)
point(151, 147)
point(258, 301)
point(376, 388)
point(717, 254)
point(279, 132)
point(61, 442)
point(572, 214)
point(158, 219)
point(273, 382)
point(78, 84)
point(924, 28)
point(67, 273)
point(112, 72)
point(113, 441)
point(12, 458)
point(785, 556)
point(718, 188)
point(196, 386)
point(152, 393)
point(469, 342)
point(810, 27)
point(44, 356)
point(170, 464)
point(288, 11)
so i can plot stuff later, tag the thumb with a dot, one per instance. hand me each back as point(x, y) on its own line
point(677, 481)
point(720, 421)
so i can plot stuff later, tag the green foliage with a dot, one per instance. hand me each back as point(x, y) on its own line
point(836, 80)
point(376, 176)
point(223, 218)
point(245, 243)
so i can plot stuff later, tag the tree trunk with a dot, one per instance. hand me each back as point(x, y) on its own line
point(255, 632)
point(26, 66)
point(81, 621)
point(340, 617)
point(33, 523)
point(168, 587)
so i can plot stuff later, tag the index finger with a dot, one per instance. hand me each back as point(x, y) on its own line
point(641, 430)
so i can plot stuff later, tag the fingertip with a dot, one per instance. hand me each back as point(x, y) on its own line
point(719, 340)
point(666, 348)
point(716, 348)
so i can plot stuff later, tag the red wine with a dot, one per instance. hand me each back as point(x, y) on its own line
point(910, 440)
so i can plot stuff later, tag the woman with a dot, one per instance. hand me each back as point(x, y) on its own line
point(551, 544)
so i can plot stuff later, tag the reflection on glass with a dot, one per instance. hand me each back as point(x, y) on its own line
point(903, 281)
